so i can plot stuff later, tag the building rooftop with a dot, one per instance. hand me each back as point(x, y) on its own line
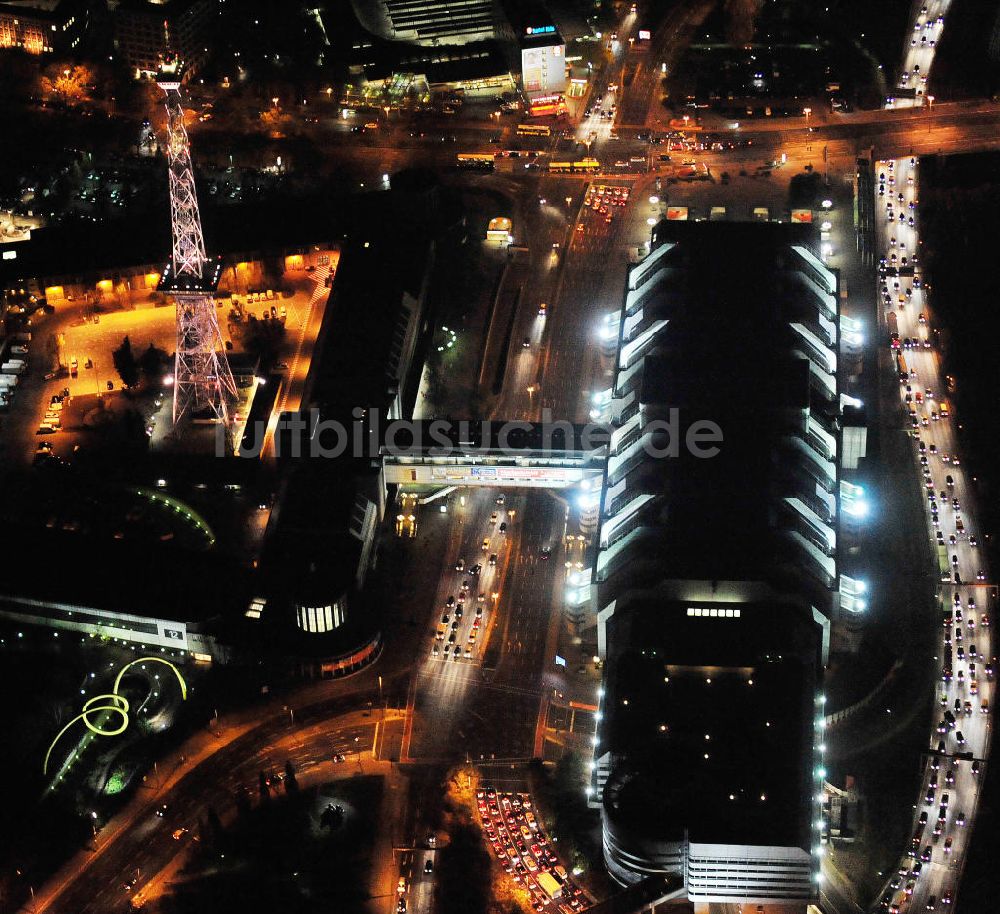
point(713, 718)
point(729, 357)
point(160, 582)
point(531, 23)
point(707, 571)
point(358, 364)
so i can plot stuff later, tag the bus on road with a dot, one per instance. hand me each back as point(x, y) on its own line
point(944, 567)
point(534, 130)
point(476, 160)
point(549, 884)
point(582, 167)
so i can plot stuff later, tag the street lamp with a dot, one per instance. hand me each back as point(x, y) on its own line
point(930, 102)
point(807, 112)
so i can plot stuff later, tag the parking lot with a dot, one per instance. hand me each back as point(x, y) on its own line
point(70, 353)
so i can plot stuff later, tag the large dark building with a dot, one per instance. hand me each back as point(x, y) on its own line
point(146, 30)
point(716, 572)
point(324, 537)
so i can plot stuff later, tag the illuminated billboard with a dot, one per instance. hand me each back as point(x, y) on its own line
point(547, 105)
point(543, 69)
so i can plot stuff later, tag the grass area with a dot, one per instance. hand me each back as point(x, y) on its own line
point(286, 855)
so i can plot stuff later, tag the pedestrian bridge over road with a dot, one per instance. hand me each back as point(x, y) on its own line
point(495, 453)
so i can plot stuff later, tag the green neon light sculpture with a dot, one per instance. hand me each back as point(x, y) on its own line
point(111, 703)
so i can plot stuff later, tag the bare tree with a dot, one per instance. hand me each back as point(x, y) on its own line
point(741, 20)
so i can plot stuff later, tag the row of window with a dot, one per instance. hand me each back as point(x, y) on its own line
point(706, 612)
point(320, 618)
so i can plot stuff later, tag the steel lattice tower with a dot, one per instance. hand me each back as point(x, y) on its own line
point(203, 381)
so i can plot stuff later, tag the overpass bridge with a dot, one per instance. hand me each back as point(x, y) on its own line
point(494, 453)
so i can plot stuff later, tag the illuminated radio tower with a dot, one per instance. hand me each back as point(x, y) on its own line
point(203, 381)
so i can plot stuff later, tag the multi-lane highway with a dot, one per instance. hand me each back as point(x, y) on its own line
point(919, 55)
point(945, 813)
point(944, 820)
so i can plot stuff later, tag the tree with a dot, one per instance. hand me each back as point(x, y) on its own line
point(154, 364)
point(125, 363)
point(264, 339)
point(133, 430)
point(67, 84)
point(741, 21)
point(804, 189)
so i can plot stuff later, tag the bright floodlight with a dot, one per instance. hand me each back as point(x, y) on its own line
point(857, 508)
